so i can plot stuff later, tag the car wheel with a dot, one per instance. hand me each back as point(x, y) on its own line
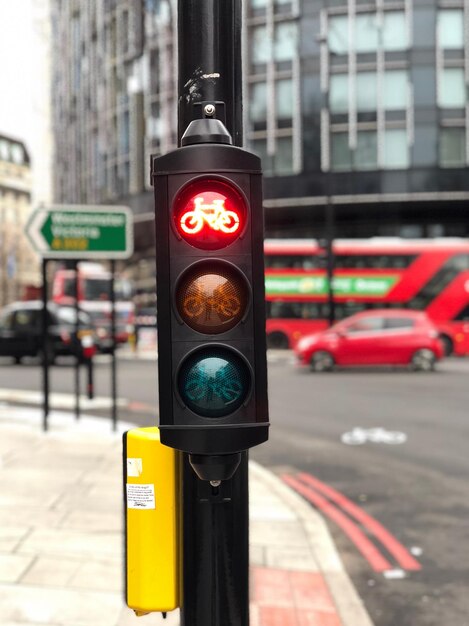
point(322, 361)
point(277, 341)
point(17, 360)
point(424, 360)
point(448, 345)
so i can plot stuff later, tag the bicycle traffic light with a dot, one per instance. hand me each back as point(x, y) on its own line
point(210, 294)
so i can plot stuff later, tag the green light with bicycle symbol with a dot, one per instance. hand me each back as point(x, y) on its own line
point(214, 381)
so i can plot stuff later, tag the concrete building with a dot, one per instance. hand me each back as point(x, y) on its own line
point(360, 101)
point(19, 265)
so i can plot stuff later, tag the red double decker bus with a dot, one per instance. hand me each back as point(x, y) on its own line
point(430, 275)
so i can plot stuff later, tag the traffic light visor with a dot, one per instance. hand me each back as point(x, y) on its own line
point(212, 297)
point(209, 214)
point(214, 381)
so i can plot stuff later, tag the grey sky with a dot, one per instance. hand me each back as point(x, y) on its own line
point(16, 69)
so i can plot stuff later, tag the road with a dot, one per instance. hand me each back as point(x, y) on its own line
point(419, 490)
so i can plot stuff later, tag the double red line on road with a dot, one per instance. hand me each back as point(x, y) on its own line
point(325, 498)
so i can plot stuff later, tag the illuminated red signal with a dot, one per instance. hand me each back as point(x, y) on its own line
point(210, 214)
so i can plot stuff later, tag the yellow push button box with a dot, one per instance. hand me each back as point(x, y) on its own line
point(151, 473)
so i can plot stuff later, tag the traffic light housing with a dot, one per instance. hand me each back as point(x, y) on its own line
point(210, 294)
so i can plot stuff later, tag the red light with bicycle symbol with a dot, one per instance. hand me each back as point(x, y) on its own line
point(209, 214)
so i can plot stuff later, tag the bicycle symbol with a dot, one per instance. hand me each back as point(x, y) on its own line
point(358, 436)
point(224, 305)
point(214, 215)
point(201, 385)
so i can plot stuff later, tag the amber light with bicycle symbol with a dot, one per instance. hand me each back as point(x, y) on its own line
point(212, 297)
point(210, 214)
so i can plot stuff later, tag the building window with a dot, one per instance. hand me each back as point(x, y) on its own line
point(260, 45)
point(17, 154)
point(369, 35)
point(366, 32)
point(450, 29)
point(366, 91)
point(452, 91)
point(341, 155)
point(396, 88)
point(283, 158)
point(258, 102)
point(338, 34)
point(281, 162)
point(338, 93)
point(285, 42)
point(284, 99)
point(395, 91)
point(395, 31)
point(4, 150)
point(396, 150)
point(452, 147)
point(366, 154)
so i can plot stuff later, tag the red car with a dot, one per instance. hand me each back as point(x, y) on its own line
point(379, 337)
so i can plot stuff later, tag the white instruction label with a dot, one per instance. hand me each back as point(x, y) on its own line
point(140, 496)
point(134, 467)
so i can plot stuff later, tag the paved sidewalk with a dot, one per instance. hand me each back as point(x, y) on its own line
point(61, 536)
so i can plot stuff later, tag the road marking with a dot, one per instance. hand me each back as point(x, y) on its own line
point(392, 545)
point(374, 557)
point(358, 436)
point(394, 574)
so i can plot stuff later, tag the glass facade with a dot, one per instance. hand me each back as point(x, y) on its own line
point(272, 115)
point(374, 89)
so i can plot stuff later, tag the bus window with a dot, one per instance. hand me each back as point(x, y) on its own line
point(374, 261)
point(69, 287)
point(97, 289)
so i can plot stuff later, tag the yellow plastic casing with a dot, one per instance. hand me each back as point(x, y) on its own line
point(151, 477)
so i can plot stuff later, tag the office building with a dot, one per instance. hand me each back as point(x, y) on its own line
point(357, 101)
point(19, 265)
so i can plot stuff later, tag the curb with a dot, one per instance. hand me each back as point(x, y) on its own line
point(349, 605)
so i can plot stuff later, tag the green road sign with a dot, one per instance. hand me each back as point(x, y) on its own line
point(84, 232)
point(290, 285)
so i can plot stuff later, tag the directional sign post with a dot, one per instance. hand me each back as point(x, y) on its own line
point(81, 232)
point(76, 233)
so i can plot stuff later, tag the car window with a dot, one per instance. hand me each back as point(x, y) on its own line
point(6, 320)
point(366, 324)
point(398, 322)
point(26, 319)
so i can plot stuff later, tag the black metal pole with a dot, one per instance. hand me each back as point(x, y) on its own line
point(215, 590)
point(45, 348)
point(113, 348)
point(77, 342)
point(90, 382)
point(209, 57)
